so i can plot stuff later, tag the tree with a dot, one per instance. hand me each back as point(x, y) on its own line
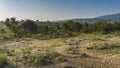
point(14, 26)
point(10, 23)
point(30, 27)
point(71, 26)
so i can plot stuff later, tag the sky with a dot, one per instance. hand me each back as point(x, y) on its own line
point(54, 10)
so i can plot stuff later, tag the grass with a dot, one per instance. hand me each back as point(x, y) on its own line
point(42, 52)
point(73, 50)
point(2, 50)
point(3, 60)
point(107, 48)
point(43, 58)
point(111, 51)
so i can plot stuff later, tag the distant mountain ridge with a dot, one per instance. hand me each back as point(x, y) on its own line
point(108, 18)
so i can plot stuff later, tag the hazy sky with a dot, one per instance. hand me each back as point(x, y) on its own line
point(57, 9)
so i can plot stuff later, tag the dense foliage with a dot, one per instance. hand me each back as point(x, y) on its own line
point(37, 29)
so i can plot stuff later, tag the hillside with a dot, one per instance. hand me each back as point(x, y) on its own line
point(109, 18)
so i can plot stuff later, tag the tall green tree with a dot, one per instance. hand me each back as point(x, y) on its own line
point(30, 27)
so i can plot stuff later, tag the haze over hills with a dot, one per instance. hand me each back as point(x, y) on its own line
point(108, 18)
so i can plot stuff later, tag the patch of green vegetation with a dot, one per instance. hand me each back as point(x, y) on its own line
point(111, 51)
point(106, 48)
point(43, 59)
point(2, 50)
point(3, 60)
point(98, 39)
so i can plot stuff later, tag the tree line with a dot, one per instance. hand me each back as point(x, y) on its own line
point(38, 29)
